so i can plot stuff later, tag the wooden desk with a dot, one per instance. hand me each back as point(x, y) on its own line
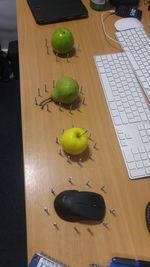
point(45, 169)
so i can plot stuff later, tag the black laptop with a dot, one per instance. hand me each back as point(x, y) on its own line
point(50, 11)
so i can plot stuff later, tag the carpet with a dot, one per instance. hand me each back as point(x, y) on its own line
point(13, 250)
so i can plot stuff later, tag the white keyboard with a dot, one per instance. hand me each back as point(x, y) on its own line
point(133, 39)
point(136, 44)
point(129, 111)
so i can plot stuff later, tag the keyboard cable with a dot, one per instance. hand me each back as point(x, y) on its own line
point(110, 12)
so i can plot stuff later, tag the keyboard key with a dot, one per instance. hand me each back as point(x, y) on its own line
point(128, 156)
point(138, 173)
point(132, 166)
point(109, 93)
point(139, 164)
point(131, 58)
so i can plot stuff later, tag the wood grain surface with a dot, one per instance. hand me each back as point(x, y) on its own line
point(46, 170)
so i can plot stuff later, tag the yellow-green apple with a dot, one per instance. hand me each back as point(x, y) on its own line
point(74, 141)
point(62, 41)
point(66, 91)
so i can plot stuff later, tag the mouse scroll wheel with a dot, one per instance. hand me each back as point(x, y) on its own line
point(94, 205)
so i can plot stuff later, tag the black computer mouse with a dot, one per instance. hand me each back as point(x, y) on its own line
point(72, 205)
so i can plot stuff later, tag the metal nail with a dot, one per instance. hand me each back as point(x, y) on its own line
point(53, 192)
point(78, 108)
point(90, 137)
point(90, 231)
point(113, 211)
point(90, 156)
point(78, 48)
point(56, 225)
point(57, 140)
point(39, 92)
point(103, 188)
point(105, 224)
point(60, 106)
point(45, 87)
point(47, 106)
point(88, 183)
point(81, 90)
point(68, 58)
point(76, 229)
point(70, 180)
point(46, 43)
point(70, 109)
point(46, 210)
point(60, 152)
point(36, 103)
point(47, 50)
point(68, 158)
point(80, 161)
point(95, 146)
point(57, 57)
point(83, 101)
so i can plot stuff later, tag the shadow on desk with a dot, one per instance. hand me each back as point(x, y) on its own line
point(12, 198)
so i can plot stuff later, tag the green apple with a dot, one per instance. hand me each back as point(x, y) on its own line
point(66, 91)
point(62, 41)
point(74, 141)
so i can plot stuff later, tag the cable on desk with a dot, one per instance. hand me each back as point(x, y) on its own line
point(111, 12)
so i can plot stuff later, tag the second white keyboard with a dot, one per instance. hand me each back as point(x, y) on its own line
point(136, 44)
point(133, 39)
point(129, 111)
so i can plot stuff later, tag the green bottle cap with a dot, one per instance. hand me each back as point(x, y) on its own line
point(97, 5)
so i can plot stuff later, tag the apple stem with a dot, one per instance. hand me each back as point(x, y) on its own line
point(45, 102)
point(82, 133)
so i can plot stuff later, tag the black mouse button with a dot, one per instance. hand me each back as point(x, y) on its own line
point(62, 204)
point(64, 198)
point(92, 198)
point(89, 205)
point(91, 214)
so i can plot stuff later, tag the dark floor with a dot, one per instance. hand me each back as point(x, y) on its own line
point(12, 198)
